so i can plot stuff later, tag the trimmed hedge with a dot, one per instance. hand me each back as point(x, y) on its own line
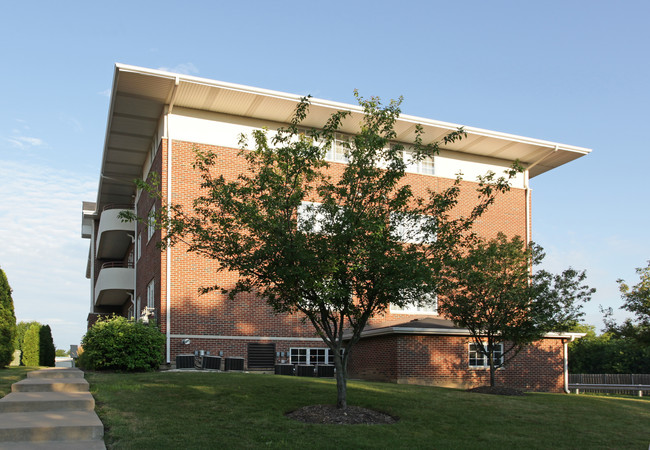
point(32, 345)
point(116, 343)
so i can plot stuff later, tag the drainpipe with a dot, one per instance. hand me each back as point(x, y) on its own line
point(92, 268)
point(566, 361)
point(169, 202)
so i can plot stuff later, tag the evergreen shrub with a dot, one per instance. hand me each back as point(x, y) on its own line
point(116, 343)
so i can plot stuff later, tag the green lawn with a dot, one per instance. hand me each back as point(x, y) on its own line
point(10, 375)
point(224, 410)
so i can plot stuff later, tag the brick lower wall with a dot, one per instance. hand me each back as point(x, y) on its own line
point(237, 347)
point(443, 361)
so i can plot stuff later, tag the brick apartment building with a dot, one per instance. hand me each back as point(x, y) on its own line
point(156, 120)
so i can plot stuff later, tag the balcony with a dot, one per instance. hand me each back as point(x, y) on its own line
point(114, 284)
point(114, 235)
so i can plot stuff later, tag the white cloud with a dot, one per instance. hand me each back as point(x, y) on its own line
point(42, 251)
point(105, 93)
point(184, 68)
point(24, 142)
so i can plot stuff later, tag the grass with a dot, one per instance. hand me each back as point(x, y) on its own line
point(209, 410)
point(10, 375)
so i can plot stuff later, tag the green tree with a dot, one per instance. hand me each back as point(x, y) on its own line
point(61, 352)
point(491, 292)
point(46, 347)
point(31, 345)
point(609, 352)
point(21, 329)
point(367, 240)
point(636, 299)
point(7, 322)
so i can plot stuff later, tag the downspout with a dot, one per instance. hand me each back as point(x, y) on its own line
point(566, 363)
point(93, 280)
point(169, 202)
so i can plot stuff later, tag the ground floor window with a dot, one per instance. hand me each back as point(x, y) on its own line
point(303, 355)
point(478, 359)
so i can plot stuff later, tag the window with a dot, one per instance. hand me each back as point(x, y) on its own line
point(478, 359)
point(412, 229)
point(338, 152)
point(151, 294)
point(428, 305)
point(138, 247)
point(311, 356)
point(425, 165)
point(151, 222)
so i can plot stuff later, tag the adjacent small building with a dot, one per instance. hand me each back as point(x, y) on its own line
point(155, 121)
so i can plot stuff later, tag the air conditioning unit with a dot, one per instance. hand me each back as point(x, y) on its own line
point(234, 363)
point(185, 361)
point(211, 362)
point(305, 370)
point(325, 371)
point(284, 369)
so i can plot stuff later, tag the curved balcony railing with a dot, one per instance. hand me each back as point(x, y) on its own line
point(114, 283)
point(114, 235)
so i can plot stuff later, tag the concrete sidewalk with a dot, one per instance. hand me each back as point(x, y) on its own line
point(50, 409)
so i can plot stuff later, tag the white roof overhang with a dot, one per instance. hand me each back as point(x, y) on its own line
point(446, 331)
point(139, 97)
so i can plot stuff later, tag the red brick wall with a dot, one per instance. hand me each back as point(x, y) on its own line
point(215, 314)
point(236, 347)
point(444, 361)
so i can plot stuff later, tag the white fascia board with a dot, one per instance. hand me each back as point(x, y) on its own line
point(449, 332)
point(338, 106)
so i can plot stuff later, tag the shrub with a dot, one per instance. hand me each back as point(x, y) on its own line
point(115, 343)
point(46, 347)
point(31, 345)
point(7, 322)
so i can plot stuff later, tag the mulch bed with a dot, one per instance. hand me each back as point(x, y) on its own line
point(330, 414)
point(497, 390)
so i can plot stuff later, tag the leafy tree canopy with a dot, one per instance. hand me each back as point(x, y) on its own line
point(338, 249)
point(490, 291)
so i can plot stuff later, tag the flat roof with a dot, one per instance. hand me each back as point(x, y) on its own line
point(139, 97)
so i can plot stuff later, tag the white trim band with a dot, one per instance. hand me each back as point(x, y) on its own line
point(248, 338)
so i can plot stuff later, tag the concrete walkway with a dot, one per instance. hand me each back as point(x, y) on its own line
point(50, 409)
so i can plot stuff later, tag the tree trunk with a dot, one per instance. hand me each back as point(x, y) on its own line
point(492, 369)
point(341, 381)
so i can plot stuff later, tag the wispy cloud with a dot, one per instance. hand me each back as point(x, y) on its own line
point(184, 68)
point(25, 142)
point(105, 93)
point(42, 251)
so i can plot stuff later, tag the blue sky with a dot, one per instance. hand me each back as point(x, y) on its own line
point(574, 72)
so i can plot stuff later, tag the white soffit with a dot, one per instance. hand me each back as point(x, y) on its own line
point(140, 95)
